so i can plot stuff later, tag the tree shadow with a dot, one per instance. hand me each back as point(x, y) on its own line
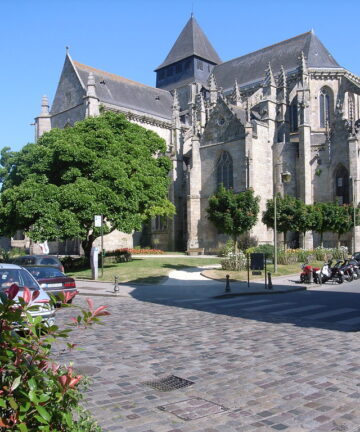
point(208, 296)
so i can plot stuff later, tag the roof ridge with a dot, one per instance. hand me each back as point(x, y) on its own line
point(116, 77)
point(269, 46)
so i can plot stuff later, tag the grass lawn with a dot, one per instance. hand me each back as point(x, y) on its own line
point(242, 275)
point(145, 270)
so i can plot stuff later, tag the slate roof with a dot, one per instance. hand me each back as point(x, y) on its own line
point(250, 68)
point(192, 41)
point(120, 91)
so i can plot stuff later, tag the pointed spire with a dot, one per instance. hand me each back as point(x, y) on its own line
point(176, 103)
point(191, 42)
point(282, 78)
point(213, 89)
point(92, 104)
point(44, 106)
point(236, 96)
point(269, 77)
point(303, 70)
point(91, 90)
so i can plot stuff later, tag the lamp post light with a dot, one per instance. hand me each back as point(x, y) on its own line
point(285, 178)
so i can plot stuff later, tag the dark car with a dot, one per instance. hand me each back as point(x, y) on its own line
point(52, 280)
point(35, 260)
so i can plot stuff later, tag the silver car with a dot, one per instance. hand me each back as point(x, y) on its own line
point(12, 273)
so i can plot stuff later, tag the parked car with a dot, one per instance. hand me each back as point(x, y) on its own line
point(52, 280)
point(13, 274)
point(34, 260)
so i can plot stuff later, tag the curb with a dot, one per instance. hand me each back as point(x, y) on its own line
point(272, 291)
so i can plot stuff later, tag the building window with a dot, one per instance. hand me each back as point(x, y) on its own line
point(160, 223)
point(187, 65)
point(178, 67)
point(293, 115)
point(324, 107)
point(351, 107)
point(342, 185)
point(169, 71)
point(200, 65)
point(225, 170)
point(161, 74)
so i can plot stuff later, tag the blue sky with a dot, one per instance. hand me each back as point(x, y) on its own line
point(131, 38)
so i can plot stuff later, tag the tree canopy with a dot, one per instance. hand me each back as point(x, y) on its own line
point(101, 166)
point(233, 213)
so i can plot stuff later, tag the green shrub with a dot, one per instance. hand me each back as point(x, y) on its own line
point(74, 264)
point(37, 394)
point(234, 262)
point(266, 249)
point(227, 249)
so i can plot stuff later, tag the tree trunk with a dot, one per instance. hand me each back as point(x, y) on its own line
point(235, 244)
point(87, 245)
point(338, 241)
point(321, 240)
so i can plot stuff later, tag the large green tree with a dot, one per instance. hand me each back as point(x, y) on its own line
point(101, 166)
point(233, 213)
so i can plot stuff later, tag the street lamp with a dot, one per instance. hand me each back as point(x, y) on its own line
point(285, 178)
point(353, 181)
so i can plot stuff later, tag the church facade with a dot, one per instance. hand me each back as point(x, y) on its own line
point(287, 107)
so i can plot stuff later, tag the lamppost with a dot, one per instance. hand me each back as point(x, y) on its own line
point(353, 181)
point(285, 178)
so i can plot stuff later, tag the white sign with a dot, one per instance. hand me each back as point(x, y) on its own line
point(97, 221)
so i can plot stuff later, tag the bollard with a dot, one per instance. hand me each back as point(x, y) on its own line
point(227, 285)
point(116, 285)
point(270, 285)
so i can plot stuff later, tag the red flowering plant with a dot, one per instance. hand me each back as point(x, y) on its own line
point(36, 394)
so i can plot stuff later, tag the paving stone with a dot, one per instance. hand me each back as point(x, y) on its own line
point(270, 375)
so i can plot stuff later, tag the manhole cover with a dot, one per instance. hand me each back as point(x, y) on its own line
point(192, 409)
point(87, 370)
point(169, 383)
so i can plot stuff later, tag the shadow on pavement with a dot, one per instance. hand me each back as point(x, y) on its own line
point(200, 295)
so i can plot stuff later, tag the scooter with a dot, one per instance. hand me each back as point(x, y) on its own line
point(328, 273)
point(309, 273)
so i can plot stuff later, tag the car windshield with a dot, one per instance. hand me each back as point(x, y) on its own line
point(45, 272)
point(18, 276)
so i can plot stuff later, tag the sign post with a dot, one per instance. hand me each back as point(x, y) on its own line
point(98, 223)
point(257, 264)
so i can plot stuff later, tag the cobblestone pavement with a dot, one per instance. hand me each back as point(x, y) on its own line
point(247, 374)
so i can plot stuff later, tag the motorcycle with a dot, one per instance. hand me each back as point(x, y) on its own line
point(348, 268)
point(309, 274)
point(328, 273)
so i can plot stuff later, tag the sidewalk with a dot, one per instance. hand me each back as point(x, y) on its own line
point(189, 283)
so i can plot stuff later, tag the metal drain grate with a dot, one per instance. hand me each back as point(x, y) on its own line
point(169, 383)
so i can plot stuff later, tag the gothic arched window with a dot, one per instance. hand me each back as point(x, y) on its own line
point(342, 185)
point(225, 170)
point(351, 107)
point(324, 107)
point(293, 115)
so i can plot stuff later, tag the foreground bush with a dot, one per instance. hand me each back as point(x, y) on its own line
point(36, 394)
point(234, 262)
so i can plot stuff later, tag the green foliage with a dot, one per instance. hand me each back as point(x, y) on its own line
point(290, 213)
point(104, 165)
point(266, 249)
point(233, 213)
point(74, 264)
point(227, 249)
point(36, 393)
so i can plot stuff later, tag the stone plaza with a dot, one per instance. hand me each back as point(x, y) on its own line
point(246, 371)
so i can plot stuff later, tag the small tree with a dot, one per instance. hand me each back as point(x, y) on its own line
point(233, 213)
point(288, 209)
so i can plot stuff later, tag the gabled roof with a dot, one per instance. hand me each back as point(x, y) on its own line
point(125, 93)
point(191, 42)
point(250, 68)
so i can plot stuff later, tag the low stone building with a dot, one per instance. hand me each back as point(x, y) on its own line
point(287, 107)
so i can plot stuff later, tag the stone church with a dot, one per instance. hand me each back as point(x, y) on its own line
point(243, 122)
